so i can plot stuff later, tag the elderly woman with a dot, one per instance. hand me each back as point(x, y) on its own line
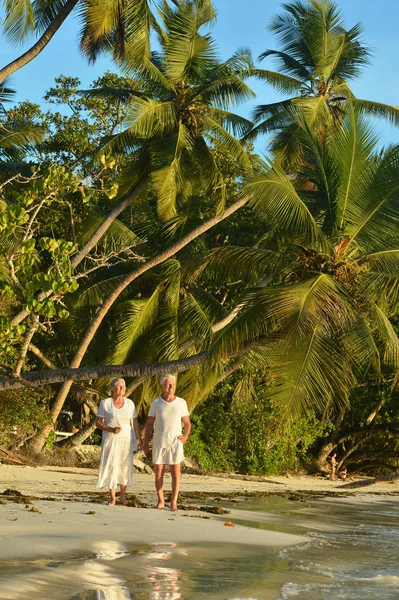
point(169, 412)
point(117, 418)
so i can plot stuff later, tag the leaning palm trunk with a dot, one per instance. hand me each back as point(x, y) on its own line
point(39, 440)
point(91, 243)
point(42, 42)
point(80, 436)
point(32, 379)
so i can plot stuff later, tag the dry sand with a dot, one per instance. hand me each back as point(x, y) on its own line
point(64, 526)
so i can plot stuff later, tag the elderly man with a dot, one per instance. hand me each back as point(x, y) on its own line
point(169, 413)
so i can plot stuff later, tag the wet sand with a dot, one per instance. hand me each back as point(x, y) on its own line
point(62, 525)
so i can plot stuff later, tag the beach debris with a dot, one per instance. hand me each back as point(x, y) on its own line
point(16, 496)
point(228, 524)
point(135, 502)
point(11, 492)
point(8, 457)
point(197, 516)
point(91, 512)
point(35, 510)
point(215, 510)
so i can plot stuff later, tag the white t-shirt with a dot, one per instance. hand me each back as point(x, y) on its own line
point(168, 420)
point(118, 417)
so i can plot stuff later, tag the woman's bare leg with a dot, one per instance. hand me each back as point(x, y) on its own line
point(159, 473)
point(122, 496)
point(112, 493)
point(175, 472)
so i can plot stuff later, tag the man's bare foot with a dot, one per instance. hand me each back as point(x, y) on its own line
point(160, 506)
point(123, 501)
point(173, 508)
point(111, 503)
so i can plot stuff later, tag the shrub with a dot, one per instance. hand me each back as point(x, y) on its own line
point(22, 412)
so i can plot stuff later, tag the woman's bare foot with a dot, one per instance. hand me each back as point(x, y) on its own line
point(173, 508)
point(111, 503)
point(160, 505)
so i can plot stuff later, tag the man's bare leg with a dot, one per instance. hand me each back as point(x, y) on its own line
point(175, 472)
point(122, 496)
point(159, 473)
point(112, 494)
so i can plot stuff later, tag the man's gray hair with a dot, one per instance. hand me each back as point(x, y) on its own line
point(163, 378)
point(114, 382)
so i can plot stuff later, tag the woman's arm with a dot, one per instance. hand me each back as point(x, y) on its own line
point(101, 425)
point(137, 432)
point(147, 433)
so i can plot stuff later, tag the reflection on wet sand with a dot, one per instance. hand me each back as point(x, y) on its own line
point(93, 580)
point(164, 580)
point(63, 581)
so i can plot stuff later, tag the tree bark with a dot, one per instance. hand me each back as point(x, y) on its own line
point(41, 43)
point(95, 238)
point(32, 378)
point(80, 436)
point(38, 441)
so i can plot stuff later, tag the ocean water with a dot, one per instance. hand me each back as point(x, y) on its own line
point(351, 553)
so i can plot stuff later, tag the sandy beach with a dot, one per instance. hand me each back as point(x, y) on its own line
point(61, 516)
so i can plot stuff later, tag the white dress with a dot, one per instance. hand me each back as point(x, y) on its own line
point(167, 449)
point(116, 462)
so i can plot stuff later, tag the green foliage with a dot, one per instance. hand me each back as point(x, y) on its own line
point(22, 412)
point(248, 438)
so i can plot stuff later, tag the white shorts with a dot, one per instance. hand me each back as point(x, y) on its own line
point(168, 456)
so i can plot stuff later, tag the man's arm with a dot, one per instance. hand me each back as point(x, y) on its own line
point(147, 433)
point(187, 428)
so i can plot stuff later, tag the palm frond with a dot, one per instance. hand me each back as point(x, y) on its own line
point(280, 82)
point(131, 321)
point(390, 342)
point(376, 217)
point(20, 19)
point(275, 197)
point(289, 65)
point(377, 109)
point(233, 146)
point(187, 52)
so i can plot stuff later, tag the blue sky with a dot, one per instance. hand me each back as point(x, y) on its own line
point(239, 23)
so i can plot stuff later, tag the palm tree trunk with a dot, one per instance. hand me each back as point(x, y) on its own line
point(95, 238)
point(80, 436)
point(41, 43)
point(37, 443)
point(98, 372)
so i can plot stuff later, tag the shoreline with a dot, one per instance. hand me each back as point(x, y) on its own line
point(64, 512)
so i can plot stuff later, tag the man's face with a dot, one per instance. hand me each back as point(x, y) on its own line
point(169, 386)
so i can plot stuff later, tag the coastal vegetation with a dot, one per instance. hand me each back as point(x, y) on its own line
point(143, 231)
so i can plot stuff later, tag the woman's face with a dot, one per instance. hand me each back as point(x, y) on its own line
point(118, 389)
point(169, 386)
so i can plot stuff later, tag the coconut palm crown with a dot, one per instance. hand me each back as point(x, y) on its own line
point(330, 264)
point(317, 60)
point(185, 110)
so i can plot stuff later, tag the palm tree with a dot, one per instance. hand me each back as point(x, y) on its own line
point(317, 60)
point(185, 111)
point(332, 259)
point(119, 26)
point(15, 138)
point(184, 114)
